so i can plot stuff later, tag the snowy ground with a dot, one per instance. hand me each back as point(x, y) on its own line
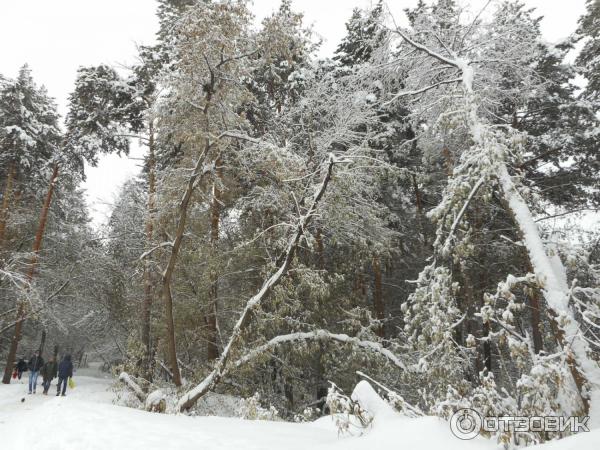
point(87, 419)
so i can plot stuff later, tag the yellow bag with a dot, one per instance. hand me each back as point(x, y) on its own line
point(71, 383)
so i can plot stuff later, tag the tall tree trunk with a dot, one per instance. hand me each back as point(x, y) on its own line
point(37, 245)
point(419, 205)
point(42, 342)
point(148, 285)
point(170, 268)
point(212, 348)
point(320, 249)
point(6, 198)
point(378, 297)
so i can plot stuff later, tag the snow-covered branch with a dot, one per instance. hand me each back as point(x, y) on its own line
point(421, 90)
point(459, 216)
point(153, 249)
point(133, 386)
point(322, 335)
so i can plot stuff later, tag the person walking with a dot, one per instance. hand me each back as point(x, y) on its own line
point(48, 373)
point(21, 367)
point(35, 364)
point(65, 371)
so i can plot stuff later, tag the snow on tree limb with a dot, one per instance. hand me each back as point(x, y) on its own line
point(460, 215)
point(554, 287)
point(410, 410)
point(421, 90)
point(421, 47)
point(322, 335)
point(153, 249)
point(133, 386)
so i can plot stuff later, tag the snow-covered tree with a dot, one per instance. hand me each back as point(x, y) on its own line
point(587, 60)
point(454, 85)
point(29, 139)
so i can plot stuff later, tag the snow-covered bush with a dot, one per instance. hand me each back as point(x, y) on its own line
point(251, 409)
point(348, 414)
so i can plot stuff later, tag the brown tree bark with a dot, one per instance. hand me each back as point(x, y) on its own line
point(538, 343)
point(419, 205)
point(320, 249)
point(170, 268)
point(148, 285)
point(536, 331)
point(212, 348)
point(42, 342)
point(6, 198)
point(37, 245)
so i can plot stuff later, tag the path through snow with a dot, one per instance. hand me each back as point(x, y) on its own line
point(87, 419)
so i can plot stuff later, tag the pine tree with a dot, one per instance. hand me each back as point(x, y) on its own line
point(101, 107)
point(31, 131)
point(103, 110)
point(29, 136)
point(480, 171)
point(588, 61)
point(364, 34)
point(561, 159)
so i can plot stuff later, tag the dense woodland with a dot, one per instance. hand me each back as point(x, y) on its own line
point(406, 208)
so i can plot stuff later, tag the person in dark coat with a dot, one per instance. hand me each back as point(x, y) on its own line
point(65, 371)
point(48, 373)
point(21, 367)
point(35, 364)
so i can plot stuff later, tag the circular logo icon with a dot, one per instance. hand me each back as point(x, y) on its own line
point(465, 423)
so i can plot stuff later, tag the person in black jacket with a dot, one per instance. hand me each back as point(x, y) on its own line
point(35, 364)
point(65, 371)
point(48, 373)
point(21, 367)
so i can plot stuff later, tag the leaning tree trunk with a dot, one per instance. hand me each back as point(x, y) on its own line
point(6, 198)
point(37, 245)
point(148, 285)
point(213, 378)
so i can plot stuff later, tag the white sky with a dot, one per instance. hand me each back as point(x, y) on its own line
point(55, 37)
